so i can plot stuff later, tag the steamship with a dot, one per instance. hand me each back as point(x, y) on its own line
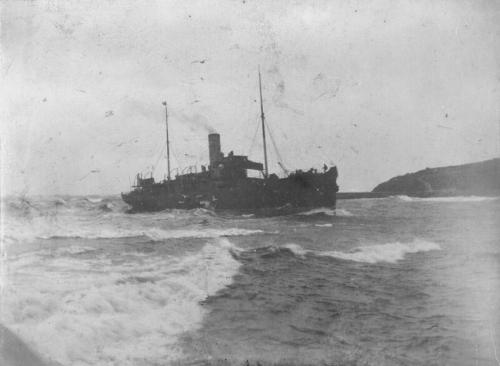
point(225, 185)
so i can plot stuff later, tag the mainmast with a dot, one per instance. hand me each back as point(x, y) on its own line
point(266, 172)
point(168, 142)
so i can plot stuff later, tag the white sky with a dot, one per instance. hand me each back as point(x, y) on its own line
point(380, 87)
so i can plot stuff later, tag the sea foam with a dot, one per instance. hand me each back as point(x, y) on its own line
point(327, 211)
point(94, 199)
point(389, 252)
point(70, 227)
point(297, 249)
point(116, 314)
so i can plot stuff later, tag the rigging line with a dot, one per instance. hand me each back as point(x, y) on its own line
point(253, 140)
point(159, 157)
point(494, 346)
point(146, 169)
point(279, 129)
point(248, 122)
point(280, 159)
point(175, 155)
point(180, 163)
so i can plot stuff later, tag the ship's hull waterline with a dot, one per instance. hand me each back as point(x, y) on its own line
point(300, 190)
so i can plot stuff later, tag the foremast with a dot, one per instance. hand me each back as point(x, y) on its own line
point(262, 117)
point(168, 142)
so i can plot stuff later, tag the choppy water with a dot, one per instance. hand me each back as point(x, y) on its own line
point(392, 281)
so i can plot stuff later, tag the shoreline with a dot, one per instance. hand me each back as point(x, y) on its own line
point(358, 195)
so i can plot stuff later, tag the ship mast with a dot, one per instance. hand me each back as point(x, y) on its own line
point(168, 142)
point(266, 172)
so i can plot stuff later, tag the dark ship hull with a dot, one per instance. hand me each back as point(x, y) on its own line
point(298, 190)
point(224, 185)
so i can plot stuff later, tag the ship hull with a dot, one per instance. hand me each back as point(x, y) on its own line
point(297, 191)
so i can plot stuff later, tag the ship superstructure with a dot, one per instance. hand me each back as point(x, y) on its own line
point(225, 184)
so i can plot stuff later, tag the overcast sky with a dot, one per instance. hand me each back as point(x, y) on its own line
point(379, 88)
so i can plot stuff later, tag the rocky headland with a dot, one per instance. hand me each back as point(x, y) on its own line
point(481, 178)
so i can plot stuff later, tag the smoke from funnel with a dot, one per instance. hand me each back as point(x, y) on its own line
point(196, 120)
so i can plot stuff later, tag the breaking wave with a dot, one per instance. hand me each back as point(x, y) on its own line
point(50, 206)
point(154, 234)
point(158, 234)
point(121, 314)
point(389, 252)
point(44, 224)
point(327, 212)
point(297, 249)
point(94, 199)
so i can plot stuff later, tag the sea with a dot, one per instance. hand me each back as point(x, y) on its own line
point(386, 281)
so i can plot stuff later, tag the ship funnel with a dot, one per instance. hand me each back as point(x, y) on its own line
point(214, 152)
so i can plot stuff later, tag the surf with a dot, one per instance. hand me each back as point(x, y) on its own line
point(326, 211)
point(128, 313)
point(380, 253)
point(391, 252)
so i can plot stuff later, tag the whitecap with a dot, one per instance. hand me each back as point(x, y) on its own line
point(43, 228)
point(342, 212)
point(103, 317)
point(158, 234)
point(296, 249)
point(389, 252)
point(327, 211)
point(94, 199)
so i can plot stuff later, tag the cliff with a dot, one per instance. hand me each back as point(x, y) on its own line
point(482, 178)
